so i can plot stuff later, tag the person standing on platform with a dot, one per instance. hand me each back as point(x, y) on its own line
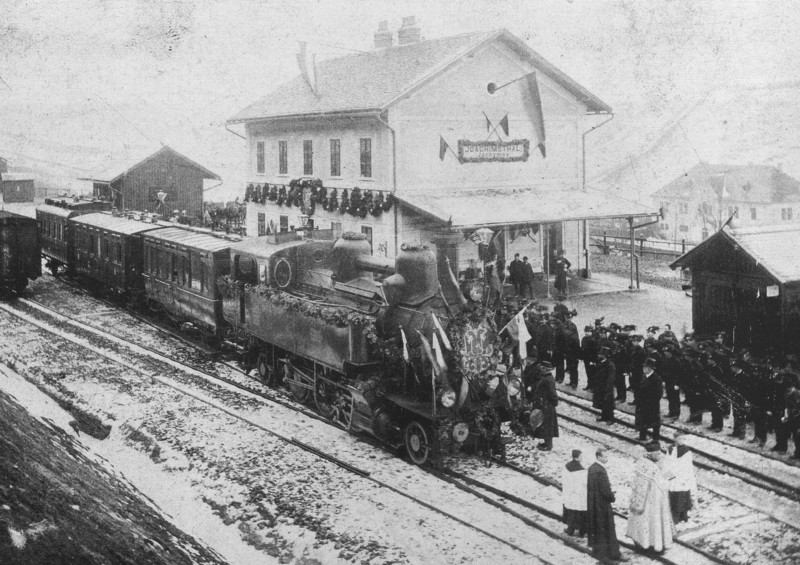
point(559, 346)
point(572, 350)
point(691, 383)
point(603, 395)
point(527, 278)
point(573, 489)
point(601, 529)
point(670, 373)
point(637, 356)
point(650, 523)
point(683, 482)
point(515, 274)
point(717, 392)
point(545, 398)
point(741, 380)
point(648, 407)
point(589, 347)
point(561, 266)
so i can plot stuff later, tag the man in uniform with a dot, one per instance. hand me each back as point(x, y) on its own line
point(637, 357)
point(648, 405)
point(603, 393)
point(589, 349)
point(670, 374)
point(572, 350)
point(741, 381)
point(559, 347)
point(691, 374)
point(515, 274)
point(716, 391)
point(758, 394)
point(545, 398)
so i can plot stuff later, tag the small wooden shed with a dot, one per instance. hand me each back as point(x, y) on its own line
point(17, 187)
point(746, 282)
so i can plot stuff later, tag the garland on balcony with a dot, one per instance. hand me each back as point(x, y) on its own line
point(356, 203)
point(340, 317)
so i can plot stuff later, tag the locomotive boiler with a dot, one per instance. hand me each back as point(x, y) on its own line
point(373, 344)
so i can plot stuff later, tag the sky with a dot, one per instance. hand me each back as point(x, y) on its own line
point(86, 80)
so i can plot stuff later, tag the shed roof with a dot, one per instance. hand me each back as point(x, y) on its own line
point(373, 81)
point(189, 238)
point(56, 211)
point(111, 172)
point(17, 176)
point(500, 207)
point(118, 224)
point(773, 248)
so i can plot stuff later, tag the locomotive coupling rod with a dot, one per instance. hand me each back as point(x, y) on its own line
point(330, 458)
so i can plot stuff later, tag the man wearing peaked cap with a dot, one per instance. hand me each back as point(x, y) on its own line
point(545, 398)
point(605, 379)
point(589, 348)
point(648, 405)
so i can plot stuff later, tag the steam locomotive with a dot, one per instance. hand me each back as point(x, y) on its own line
point(373, 345)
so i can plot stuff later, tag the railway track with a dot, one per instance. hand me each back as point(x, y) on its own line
point(528, 512)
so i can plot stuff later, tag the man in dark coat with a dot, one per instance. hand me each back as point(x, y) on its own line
point(741, 380)
point(717, 392)
point(527, 278)
point(603, 394)
point(572, 351)
point(671, 373)
point(599, 514)
point(558, 341)
point(637, 356)
point(561, 266)
point(515, 274)
point(648, 405)
point(545, 398)
point(589, 349)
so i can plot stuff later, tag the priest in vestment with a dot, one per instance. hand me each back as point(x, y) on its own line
point(683, 482)
point(602, 532)
point(649, 518)
point(573, 489)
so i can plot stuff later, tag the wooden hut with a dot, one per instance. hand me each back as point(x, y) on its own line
point(746, 282)
point(136, 185)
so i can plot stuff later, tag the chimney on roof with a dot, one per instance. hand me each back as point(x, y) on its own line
point(383, 37)
point(409, 32)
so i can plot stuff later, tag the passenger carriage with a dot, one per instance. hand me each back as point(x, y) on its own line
point(56, 232)
point(20, 255)
point(180, 272)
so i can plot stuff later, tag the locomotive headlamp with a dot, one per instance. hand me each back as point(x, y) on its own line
point(460, 432)
point(448, 398)
point(514, 386)
point(476, 292)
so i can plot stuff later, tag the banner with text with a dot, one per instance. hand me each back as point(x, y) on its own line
point(483, 151)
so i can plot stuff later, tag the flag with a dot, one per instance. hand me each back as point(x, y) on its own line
point(533, 105)
point(462, 396)
point(488, 123)
point(504, 124)
point(497, 243)
point(437, 352)
point(427, 348)
point(519, 331)
point(445, 341)
point(443, 147)
point(405, 345)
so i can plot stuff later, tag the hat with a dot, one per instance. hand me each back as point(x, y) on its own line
point(628, 328)
point(613, 326)
point(576, 453)
point(636, 337)
point(652, 447)
point(652, 329)
point(588, 328)
point(545, 367)
point(689, 335)
point(599, 321)
point(604, 351)
point(650, 362)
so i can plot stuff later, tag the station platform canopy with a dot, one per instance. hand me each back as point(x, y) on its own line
point(507, 207)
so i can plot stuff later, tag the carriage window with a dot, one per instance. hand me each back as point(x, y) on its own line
point(91, 243)
point(118, 252)
point(61, 232)
point(197, 273)
point(174, 265)
point(105, 248)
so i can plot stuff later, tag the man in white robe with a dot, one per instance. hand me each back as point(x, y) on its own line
point(573, 489)
point(683, 482)
point(650, 523)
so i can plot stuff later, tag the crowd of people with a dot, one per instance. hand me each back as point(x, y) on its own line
point(621, 365)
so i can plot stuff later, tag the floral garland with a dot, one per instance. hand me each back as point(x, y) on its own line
point(357, 203)
point(340, 317)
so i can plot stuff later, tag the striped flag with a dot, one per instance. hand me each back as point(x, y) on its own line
point(442, 335)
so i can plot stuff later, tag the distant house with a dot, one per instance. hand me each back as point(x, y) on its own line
point(17, 187)
point(161, 182)
point(700, 201)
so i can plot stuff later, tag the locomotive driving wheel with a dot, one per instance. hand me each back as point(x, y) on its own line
point(333, 402)
point(418, 443)
point(266, 370)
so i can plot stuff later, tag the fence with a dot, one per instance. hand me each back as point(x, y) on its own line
point(658, 248)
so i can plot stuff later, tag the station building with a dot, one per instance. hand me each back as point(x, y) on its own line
point(464, 140)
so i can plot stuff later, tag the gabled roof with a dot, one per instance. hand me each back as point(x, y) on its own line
point(772, 248)
point(114, 171)
point(499, 207)
point(739, 183)
point(373, 81)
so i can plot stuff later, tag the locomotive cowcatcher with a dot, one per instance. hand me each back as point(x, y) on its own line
point(386, 356)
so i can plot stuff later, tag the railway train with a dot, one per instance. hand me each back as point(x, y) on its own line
point(373, 345)
point(19, 251)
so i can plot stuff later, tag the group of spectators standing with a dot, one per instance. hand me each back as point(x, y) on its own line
point(706, 375)
point(661, 495)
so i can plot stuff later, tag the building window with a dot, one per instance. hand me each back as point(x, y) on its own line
point(664, 226)
point(260, 157)
point(336, 227)
point(684, 228)
point(366, 157)
point(367, 230)
point(786, 213)
point(283, 158)
point(336, 158)
point(262, 223)
point(753, 213)
point(308, 157)
point(683, 207)
point(284, 222)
